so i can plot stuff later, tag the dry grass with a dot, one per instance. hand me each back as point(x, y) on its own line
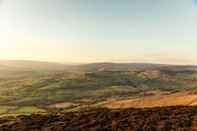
point(182, 98)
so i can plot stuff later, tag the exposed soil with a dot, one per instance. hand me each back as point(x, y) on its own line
point(148, 119)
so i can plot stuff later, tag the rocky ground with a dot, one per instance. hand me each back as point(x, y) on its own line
point(147, 119)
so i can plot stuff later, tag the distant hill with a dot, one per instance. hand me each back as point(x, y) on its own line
point(30, 65)
point(94, 67)
point(180, 68)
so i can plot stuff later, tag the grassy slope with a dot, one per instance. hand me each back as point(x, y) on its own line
point(186, 98)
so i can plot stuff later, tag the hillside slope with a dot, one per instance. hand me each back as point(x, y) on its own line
point(187, 98)
point(30, 65)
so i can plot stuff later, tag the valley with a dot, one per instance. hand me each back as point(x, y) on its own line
point(28, 87)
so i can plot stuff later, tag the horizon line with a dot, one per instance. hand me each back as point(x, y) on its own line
point(97, 62)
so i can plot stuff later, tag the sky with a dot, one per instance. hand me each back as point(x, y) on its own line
point(154, 31)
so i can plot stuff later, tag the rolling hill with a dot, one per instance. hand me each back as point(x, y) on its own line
point(30, 65)
point(30, 86)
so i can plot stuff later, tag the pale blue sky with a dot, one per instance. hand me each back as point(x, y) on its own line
point(159, 31)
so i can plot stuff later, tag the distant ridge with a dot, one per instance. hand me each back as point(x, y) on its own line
point(108, 66)
point(90, 67)
point(29, 64)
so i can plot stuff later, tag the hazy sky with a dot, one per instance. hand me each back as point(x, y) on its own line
point(161, 31)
